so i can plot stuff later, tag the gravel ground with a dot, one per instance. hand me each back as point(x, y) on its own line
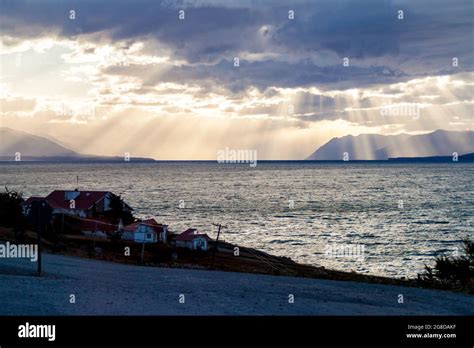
point(103, 288)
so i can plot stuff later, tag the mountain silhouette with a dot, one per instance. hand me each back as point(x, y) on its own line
point(383, 147)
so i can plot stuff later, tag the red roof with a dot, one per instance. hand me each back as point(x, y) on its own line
point(32, 199)
point(85, 199)
point(191, 234)
point(158, 228)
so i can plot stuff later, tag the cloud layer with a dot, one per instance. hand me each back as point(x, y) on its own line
point(116, 59)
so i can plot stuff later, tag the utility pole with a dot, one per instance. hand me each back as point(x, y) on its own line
point(217, 241)
point(39, 238)
point(40, 216)
point(143, 252)
point(93, 233)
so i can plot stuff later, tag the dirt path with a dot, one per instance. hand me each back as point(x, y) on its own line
point(116, 289)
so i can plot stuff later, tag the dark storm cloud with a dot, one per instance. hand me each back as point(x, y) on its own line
point(261, 74)
point(205, 33)
point(349, 28)
point(300, 52)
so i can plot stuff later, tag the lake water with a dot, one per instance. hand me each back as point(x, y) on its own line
point(293, 209)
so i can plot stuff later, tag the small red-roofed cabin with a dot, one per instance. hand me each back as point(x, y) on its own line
point(147, 231)
point(192, 239)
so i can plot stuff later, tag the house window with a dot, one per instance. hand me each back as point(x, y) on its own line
point(148, 236)
point(200, 244)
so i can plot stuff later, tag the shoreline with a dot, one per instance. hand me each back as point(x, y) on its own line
point(249, 261)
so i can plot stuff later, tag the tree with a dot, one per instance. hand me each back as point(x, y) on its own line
point(118, 210)
point(11, 212)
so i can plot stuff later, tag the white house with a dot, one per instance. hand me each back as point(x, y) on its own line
point(192, 239)
point(147, 231)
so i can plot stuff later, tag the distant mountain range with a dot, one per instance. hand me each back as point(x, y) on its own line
point(437, 146)
point(36, 148)
point(469, 157)
point(383, 147)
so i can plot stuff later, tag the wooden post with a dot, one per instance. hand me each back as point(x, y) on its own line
point(62, 223)
point(143, 252)
point(217, 241)
point(93, 233)
point(39, 240)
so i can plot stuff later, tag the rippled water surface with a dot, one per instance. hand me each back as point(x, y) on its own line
point(345, 203)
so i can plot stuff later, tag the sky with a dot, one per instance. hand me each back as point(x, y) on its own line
point(280, 77)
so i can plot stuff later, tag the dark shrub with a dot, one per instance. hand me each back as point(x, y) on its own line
point(11, 211)
point(453, 272)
